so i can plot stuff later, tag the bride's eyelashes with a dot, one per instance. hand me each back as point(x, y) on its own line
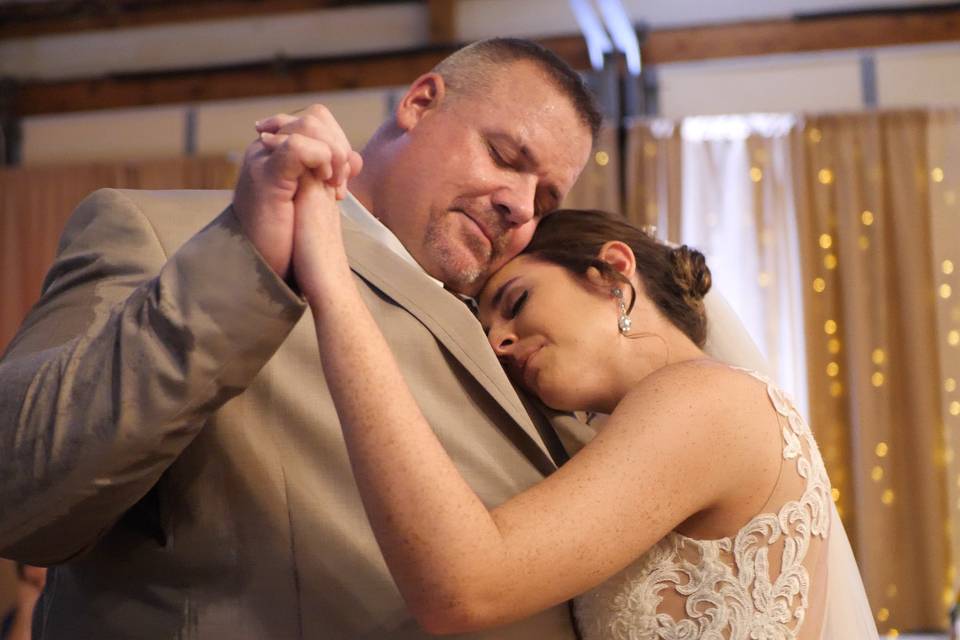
point(517, 305)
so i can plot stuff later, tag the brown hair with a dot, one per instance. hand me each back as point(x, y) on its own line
point(475, 65)
point(675, 278)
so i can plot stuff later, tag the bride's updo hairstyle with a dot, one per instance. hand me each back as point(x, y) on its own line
point(675, 278)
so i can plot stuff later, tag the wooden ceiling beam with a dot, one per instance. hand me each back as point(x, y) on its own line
point(21, 20)
point(398, 68)
point(269, 79)
point(802, 35)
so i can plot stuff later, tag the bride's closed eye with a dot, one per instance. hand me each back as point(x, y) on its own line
point(517, 305)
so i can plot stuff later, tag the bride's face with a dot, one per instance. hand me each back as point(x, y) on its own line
point(554, 332)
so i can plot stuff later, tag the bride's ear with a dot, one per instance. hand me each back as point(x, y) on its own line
point(620, 256)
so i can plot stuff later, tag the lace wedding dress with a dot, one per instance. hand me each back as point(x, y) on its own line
point(788, 574)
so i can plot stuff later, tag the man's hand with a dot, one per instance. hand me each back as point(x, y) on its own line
point(287, 148)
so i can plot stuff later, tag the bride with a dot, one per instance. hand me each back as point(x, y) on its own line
point(701, 509)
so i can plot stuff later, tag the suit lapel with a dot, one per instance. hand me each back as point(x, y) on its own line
point(444, 315)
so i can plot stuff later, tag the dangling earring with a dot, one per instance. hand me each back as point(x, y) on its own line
point(624, 323)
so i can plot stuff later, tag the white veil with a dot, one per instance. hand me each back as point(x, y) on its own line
point(847, 615)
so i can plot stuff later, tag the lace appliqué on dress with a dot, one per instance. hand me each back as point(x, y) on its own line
point(726, 585)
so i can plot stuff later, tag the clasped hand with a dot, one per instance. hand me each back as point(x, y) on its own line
point(286, 196)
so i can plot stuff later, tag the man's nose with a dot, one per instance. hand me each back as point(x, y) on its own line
point(517, 202)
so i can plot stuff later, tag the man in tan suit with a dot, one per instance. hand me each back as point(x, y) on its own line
point(167, 440)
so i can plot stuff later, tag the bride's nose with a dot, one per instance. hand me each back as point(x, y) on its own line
point(502, 342)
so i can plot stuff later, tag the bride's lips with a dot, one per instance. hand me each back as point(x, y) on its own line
point(525, 371)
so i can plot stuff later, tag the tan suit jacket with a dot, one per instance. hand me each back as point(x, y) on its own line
point(168, 441)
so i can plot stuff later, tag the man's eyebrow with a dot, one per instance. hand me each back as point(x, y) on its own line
point(530, 155)
point(531, 158)
point(518, 143)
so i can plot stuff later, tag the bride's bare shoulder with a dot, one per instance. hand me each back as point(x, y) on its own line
point(709, 394)
point(700, 381)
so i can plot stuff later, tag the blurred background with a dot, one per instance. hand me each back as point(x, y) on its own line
point(810, 148)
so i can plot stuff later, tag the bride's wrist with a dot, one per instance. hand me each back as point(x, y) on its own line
point(332, 284)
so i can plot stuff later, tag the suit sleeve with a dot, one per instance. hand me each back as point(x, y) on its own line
point(119, 365)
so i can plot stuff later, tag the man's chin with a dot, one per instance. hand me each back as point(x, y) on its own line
point(465, 273)
point(467, 282)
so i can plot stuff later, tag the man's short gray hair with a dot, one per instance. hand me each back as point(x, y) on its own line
point(474, 66)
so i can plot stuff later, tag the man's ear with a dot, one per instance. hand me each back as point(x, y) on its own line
point(425, 95)
point(620, 256)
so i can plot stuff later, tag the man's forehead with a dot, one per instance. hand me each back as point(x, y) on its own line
point(528, 92)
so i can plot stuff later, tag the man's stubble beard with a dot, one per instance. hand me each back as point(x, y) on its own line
point(448, 252)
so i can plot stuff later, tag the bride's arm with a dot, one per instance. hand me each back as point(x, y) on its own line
point(459, 565)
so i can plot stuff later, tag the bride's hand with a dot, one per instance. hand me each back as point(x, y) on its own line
point(319, 259)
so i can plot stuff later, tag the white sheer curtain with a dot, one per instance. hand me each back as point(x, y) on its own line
point(737, 207)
